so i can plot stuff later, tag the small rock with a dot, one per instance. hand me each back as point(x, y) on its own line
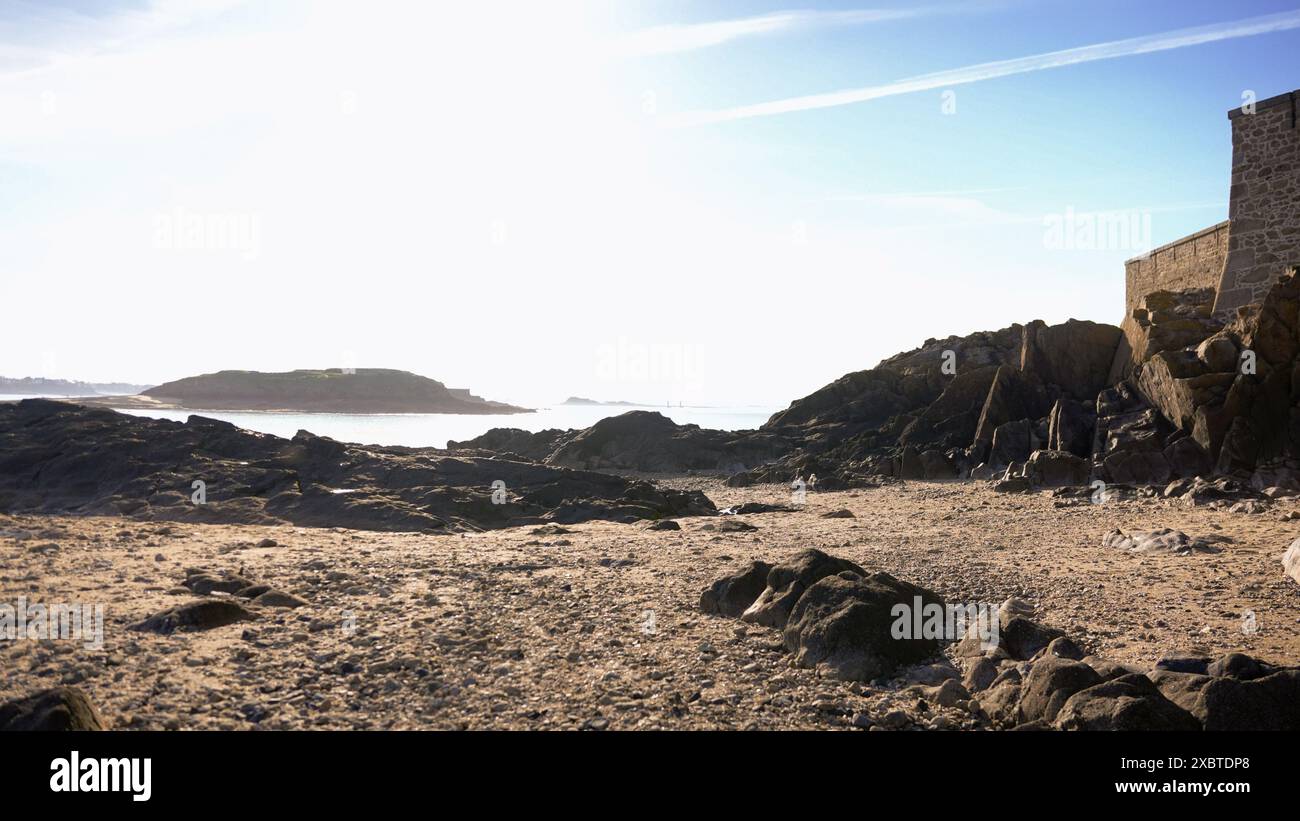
point(278, 598)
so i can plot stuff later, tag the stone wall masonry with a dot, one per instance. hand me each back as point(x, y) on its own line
point(1264, 201)
point(1194, 261)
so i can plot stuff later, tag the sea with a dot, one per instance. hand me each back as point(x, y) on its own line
point(436, 429)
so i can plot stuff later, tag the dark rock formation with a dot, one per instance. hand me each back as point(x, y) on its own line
point(1074, 356)
point(60, 457)
point(1130, 702)
point(1056, 468)
point(1022, 638)
point(198, 615)
point(732, 595)
point(843, 625)
point(1261, 697)
point(1179, 394)
point(60, 708)
point(1014, 395)
point(641, 441)
point(787, 581)
point(534, 447)
point(1051, 682)
point(1070, 426)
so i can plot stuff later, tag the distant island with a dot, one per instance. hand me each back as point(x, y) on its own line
point(580, 400)
point(332, 390)
point(39, 386)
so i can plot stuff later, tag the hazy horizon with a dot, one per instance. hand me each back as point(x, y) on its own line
point(710, 203)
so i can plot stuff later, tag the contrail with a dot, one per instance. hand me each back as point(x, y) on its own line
point(685, 37)
point(1146, 44)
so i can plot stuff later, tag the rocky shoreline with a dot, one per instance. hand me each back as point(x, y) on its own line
point(1123, 499)
point(57, 457)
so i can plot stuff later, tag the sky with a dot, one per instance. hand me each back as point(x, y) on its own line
point(701, 202)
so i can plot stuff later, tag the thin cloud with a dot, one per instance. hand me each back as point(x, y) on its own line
point(34, 38)
point(1146, 44)
point(687, 37)
point(956, 193)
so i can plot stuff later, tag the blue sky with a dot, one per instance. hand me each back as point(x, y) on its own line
point(534, 199)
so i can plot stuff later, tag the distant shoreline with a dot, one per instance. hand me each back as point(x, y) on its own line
point(130, 402)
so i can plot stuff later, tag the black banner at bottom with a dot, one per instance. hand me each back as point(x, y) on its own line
point(135, 772)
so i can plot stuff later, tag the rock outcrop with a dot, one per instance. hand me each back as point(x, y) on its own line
point(635, 441)
point(1225, 393)
point(60, 457)
point(1179, 393)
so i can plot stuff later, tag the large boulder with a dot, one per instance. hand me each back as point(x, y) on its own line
point(1137, 467)
point(1236, 693)
point(1164, 321)
point(1050, 684)
point(60, 708)
point(787, 581)
point(935, 464)
point(1130, 702)
point(1218, 353)
point(1186, 458)
point(1012, 442)
point(1177, 383)
point(732, 595)
point(1001, 701)
point(1130, 432)
point(1056, 468)
point(1022, 638)
point(1291, 561)
point(847, 626)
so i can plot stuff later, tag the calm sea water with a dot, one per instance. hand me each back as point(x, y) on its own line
point(435, 429)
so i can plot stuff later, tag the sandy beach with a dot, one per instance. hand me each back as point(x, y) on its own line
point(600, 626)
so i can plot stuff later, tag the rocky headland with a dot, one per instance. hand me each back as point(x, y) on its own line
point(331, 390)
point(1177, 394)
